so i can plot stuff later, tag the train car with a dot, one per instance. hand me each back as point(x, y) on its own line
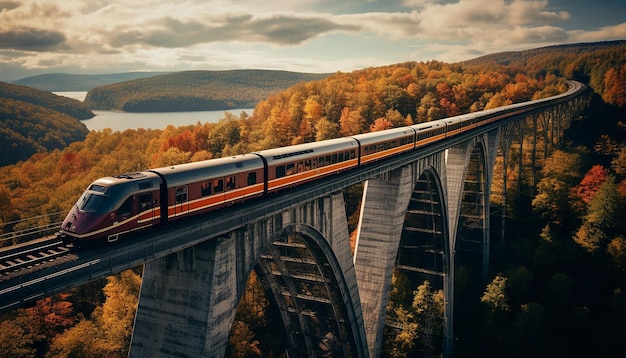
point(429, 132)
point(115, 206)
point(112, 206)
point(459, 124)
point(297, 164)
point(378, 145)
point(198, 187)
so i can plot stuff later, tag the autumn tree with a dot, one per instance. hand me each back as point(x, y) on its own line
point(602, 216)
point(590, 183)
point(429, 309)
point(495, 301)
point(402, 342)
point(615, 86)
point(560, 171)
point(380, 124)
point(351, 122)
point(108, 332)
point(325, 129)
point(242, 342)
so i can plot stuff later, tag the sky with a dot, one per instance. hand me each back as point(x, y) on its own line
point(319, 36)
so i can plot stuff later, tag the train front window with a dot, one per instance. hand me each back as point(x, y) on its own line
point(91, 202)
point(98, 188)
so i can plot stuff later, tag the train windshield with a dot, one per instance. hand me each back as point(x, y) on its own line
point(91, 202)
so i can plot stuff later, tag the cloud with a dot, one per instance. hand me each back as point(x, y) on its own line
point(276, 29)
point(31, 39)
point(8, 5)
point(616, 32)
point(223, 34)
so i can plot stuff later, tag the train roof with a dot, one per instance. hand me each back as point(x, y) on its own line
point(307, 150)
point(427, 125)
point(375, 137)
point(181, 174)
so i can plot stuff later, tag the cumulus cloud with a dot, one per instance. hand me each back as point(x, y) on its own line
point(277, 29)
point(30, 39)
point(248, 33)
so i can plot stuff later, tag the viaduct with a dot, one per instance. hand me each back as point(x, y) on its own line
point(422, 214)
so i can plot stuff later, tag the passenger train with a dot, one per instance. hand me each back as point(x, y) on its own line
point(119, 205)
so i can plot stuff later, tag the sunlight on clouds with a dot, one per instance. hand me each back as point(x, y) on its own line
point(223, 34)
point(616, 32)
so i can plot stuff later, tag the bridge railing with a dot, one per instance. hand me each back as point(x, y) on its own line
point(23, 230)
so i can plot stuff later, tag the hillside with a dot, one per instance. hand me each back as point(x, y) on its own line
point(59, 82)
point(601, 65)
point(195, 90)
point(33, 121)
point(520, 58)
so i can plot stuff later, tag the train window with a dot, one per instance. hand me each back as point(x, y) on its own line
point(98, 188)
point(91, 203)
point(218, 185)
point(145, 201)
point(181, 194)
point(340, 157)
point(126, 208)
point(230, 183)
point(205, 188)
point(300, 166)
point(291, 169)
point(251, 178)
point(320, 162)
point(327, 160)
point(314, 163)
point(352, 154)
point(333, 159)
point(307, 164)
point(280, 171)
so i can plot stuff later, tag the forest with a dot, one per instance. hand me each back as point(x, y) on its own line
point(34, 121)
point(195, 90)
point(556, 284)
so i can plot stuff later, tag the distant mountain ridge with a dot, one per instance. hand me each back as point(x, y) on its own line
point(66, 82)
point(522, 57)
point(195, 90)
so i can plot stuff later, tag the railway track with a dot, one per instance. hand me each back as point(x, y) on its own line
point(33, 256)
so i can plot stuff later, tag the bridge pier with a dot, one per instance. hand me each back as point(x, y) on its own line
point(380, 226)
point(188, 299)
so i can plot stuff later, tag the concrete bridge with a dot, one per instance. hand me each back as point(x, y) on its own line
point(421, 214)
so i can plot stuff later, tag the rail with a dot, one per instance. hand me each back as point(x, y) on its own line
point(99, 263)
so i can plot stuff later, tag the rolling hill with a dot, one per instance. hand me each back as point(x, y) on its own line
point(65, 82)
point(195, 90)
point(33, 121)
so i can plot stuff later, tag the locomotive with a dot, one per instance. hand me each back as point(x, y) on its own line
point(117, 205)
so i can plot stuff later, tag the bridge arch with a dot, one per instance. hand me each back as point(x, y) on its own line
point(306, 284)
point(424, 254)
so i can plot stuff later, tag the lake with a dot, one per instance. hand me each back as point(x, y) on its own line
point(120, 121)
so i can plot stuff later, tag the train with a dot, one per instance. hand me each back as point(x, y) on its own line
point(114, 206)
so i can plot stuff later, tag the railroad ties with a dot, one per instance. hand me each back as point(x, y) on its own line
point(31, 257)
